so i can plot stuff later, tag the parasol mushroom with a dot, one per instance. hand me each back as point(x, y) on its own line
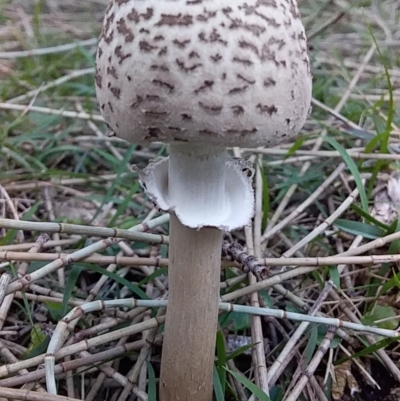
point(201, 75)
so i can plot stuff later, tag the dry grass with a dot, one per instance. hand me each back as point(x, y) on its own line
point(325, 235)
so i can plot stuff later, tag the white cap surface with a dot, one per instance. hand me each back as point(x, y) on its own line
point(222, 72)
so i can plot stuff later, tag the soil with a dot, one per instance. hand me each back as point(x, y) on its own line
point(389, 387)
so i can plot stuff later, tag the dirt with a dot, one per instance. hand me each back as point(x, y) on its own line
point(389, 390)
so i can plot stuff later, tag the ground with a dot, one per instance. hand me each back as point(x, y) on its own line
point(325, 234)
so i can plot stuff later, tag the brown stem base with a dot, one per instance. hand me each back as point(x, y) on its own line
point(192, 313)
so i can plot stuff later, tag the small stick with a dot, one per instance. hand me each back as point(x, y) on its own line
point(78, 255)
point(45, 110)
point(131, 234)
point(238, 257)
point(48, 50)
point(234, 252)
point(282, 361)
point(315, 361)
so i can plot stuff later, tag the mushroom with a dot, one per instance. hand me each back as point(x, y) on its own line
point(201, 75)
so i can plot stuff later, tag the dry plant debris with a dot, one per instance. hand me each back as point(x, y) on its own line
point(79, 241)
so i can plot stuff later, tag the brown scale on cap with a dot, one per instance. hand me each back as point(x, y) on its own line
point(229, 73)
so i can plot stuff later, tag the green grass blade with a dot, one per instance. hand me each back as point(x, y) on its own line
point(368, 350)
point(151, 387)
point(134, 288)
point(249, 385)
point(221, 361)
point(311, 344)
point(369, 218)
point(239, 351)
point(152, 276)
point(69, 286)
point(385, 135)
point(384, 269)
point(219, 393)
point(124, 204)
point(358, 228)
point(353, 168)
point(265, 199)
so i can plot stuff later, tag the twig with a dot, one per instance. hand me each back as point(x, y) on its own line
point(78, 255)
point(64, 228)
point(52, 84)
point(45, 110)
point(48, 50)
point(323, 348)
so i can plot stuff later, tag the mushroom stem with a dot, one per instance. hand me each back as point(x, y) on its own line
point(192, 313)
point(196, 182)
point(196, 178)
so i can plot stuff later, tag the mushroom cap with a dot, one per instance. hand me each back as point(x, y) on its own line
point(221, 72)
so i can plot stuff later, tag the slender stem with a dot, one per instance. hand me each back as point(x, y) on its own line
point(197, 175)
point(192, 313)
point(203, 203)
